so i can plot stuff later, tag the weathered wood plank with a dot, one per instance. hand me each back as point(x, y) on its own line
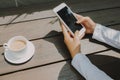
point(31, 30)
point(58, 71)
point(8, 4)
point(45, 51)
point(34, 12)
point(51, 50)
point(64, 71)
point(103, 16)
point(41, 28)
point(25, 17)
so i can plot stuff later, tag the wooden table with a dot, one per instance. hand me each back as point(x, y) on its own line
point(52, 60)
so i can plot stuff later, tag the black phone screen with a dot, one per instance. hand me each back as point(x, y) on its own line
point(69, 19)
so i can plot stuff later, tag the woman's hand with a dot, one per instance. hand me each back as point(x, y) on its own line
point(72, 43)
point(88, 23)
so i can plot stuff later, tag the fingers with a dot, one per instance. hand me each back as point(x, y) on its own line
point(78, 16)
point(65, 32)
point(83, 20)
point(78, 36)
point(64, 29)
point(82, 35)
point(80, 19)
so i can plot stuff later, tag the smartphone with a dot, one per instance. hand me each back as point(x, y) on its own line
point(67, 17)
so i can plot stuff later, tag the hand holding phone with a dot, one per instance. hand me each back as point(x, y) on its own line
point(67, 17)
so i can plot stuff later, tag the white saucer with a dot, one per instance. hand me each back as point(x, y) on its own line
point(28, 53)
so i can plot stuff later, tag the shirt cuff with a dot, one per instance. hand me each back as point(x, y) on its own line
point(97, 31)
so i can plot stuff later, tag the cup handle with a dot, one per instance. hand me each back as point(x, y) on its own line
point(5, 45)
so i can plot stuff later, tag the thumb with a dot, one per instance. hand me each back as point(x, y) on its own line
point(81, 35)
point(76, 36)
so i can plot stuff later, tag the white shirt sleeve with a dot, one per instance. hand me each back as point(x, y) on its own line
point(107, 35)
point(83, 65)
point(89, 71)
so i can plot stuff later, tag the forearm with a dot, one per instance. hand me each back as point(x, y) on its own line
point(107, 35)
point(83, 65)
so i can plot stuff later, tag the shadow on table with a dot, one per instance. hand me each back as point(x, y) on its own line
point(57, 39)
point(108, 64)
point(67, 72)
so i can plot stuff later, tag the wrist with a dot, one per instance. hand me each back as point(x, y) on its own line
point(93, 28)
point(74, 53)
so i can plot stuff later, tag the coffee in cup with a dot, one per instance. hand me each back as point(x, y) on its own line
point(16, 45)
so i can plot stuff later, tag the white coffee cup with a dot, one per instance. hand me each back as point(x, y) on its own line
point(16, 46)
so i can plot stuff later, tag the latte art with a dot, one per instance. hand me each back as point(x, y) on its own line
point(18, 45)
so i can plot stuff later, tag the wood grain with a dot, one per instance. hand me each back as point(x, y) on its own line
point(23, 17)
point(49, 27)
point(52, 59)
point(64, 71)
point(52, 50)
point(31, 30)
point(58, 71)
point(35, 12)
